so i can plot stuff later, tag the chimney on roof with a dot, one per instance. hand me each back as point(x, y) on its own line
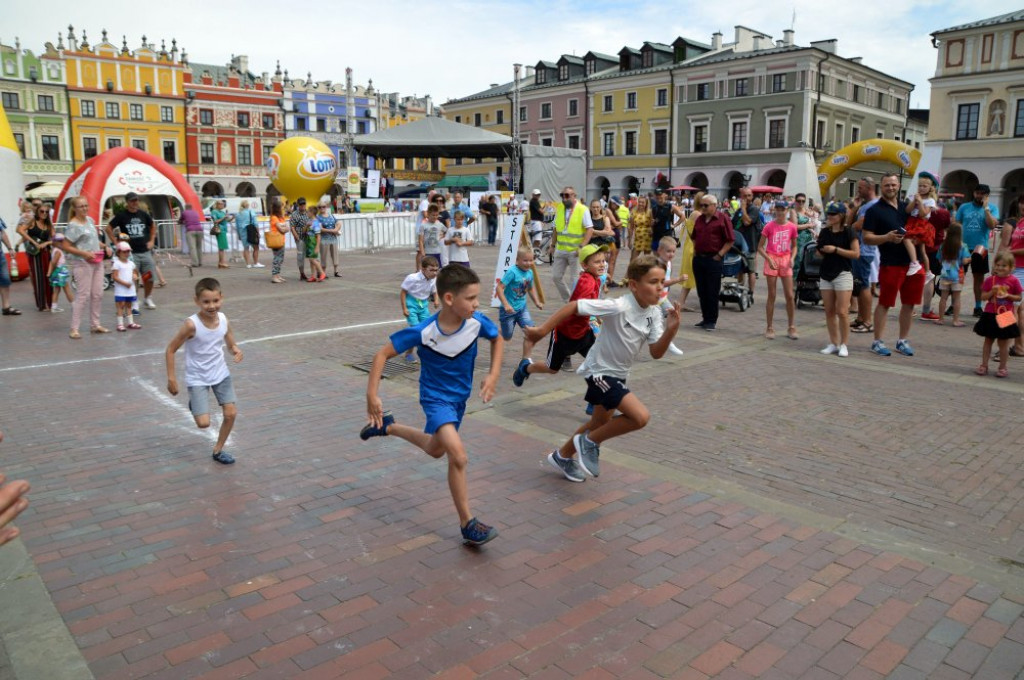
point(757, 42)
point(830, 46)
point(716, 40)
point(494, 84)
point(787, 37)
point(780, 43)
point(530, 72)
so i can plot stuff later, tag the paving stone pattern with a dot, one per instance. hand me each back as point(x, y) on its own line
point(784, 515)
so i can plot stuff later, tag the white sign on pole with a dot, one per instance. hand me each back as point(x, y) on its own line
point(373, 183)
point(511, 227)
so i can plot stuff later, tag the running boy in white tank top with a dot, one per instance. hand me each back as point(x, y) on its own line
point(205, 367)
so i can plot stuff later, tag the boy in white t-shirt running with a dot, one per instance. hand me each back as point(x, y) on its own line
point(202, 334)
point(627, 323)
point(419, 290)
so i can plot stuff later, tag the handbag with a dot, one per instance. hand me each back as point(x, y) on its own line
point(215, 230)
point(31, 248)
point(1005, 316)
point(274, 238)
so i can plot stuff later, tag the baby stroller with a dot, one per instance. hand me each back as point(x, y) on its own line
point(808, 275)
point(733, 267)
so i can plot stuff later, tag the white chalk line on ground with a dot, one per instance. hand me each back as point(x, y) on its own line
point(269, 338)
point(167, 400)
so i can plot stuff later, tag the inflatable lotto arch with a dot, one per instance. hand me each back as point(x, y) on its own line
point(897, 153)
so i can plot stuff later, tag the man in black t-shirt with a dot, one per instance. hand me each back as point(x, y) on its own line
point(884, 227)
point(536, 217)
point(747, 220)
point(138, 226)
point(661, 224)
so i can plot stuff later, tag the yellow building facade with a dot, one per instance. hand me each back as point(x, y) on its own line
point(121, 97)
point(489, 110)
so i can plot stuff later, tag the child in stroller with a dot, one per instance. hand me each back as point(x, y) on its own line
point(733, 268)
point(808, 276)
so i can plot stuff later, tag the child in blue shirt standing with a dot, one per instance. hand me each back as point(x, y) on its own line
point(447, 349)
point(512, 290)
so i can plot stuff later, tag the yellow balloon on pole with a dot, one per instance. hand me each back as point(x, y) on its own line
point(898, 153)
point(302, 167)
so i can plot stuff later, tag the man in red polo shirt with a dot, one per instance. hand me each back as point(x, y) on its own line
point(712, 238)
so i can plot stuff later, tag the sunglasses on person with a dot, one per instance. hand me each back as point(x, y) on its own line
point(800, 200)
point(706, 205)
point(568, 195)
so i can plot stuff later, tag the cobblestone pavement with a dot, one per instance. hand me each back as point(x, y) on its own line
point(783, 515)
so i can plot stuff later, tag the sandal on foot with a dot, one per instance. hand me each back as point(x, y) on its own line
point(769, 334)
point(75, 335)
point(134, 326)
point(1015, 353)
point(958, 324)
point(121, 328)
point(99, 329)
point(11, 311)
point(223, 457)
point(792, 334)
point(981, 370)
point(1002, 373)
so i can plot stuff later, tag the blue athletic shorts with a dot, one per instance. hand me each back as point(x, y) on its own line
point(419, 310)
point(441, 413)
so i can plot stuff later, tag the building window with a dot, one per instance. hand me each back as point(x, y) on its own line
point(11, 101)
point(243, 119)
point(342, 126)
point(541, 76)
point(51, 148)
point(661, 142)
point(113, 143)
point(590, 66)
point(545, 111)
point(742, 87)
point(522, 114)
point(857, 94)
point(574, 141)
point(631, 101)
point(854, 134)
point(967, 121)
point(113, 110)
point(135, 112)
point(563, 73)
point(700, 138)
point(268, 121)
point(778, 82)
point(88, 146)
point(476, 119)
point(267, 150)
point(45, 102)
point(206, 153)
point(777, 134)
point(837, 141)
point(19, 139)
point(244, 153)
point(139, 144)
point(609, 144)
point(647, 59)
point(607, 103)
point(899, 105)
point(170, 152)
point(321, 125)
point(499, 117)
point(1018, 126)
point(362, 127)
point(166, 114)
point(819, 135)
point(703, 91)
point(661, 97)
point(739, 136)
point(205, 116)
point(574, 107)
point(88, 108)
point(545, 141)
point(630, 143)
point(881, 100)
point(300, 123)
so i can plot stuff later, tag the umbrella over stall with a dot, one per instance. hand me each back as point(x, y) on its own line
point(765, 189)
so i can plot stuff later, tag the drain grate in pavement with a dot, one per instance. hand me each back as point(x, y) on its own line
point(391, 368)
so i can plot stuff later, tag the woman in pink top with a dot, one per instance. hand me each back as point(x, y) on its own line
point(1013, 241)
point(778, 248)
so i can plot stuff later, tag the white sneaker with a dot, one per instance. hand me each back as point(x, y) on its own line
point(914, 268)
point(843, 352)
point(672, 349)
point(258, 266)
point(248, 266)
point(150, 304)
point(55, 310)
point(831, 349)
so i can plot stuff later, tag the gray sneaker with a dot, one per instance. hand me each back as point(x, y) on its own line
point(589, 451)
point(570, 467)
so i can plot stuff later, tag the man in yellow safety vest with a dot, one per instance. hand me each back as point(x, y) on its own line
point(573, 229)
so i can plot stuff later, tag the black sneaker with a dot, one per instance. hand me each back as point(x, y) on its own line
point(949, 310)
point(477, 533)
point(977, 312)
point(224, 458)
point(372, 430)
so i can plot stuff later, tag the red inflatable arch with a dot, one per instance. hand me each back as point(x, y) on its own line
point(117, 171)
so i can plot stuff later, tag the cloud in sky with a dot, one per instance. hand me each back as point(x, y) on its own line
point(453, 49)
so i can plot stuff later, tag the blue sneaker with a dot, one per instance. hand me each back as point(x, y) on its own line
point(520, 375)
point(589, 452)
point(224, 458)
point(371, 430)
point(590, 409)
point(904, 348)
point(879, 348)
point(477, 533)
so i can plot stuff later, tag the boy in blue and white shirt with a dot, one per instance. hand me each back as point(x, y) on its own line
point(446, 343)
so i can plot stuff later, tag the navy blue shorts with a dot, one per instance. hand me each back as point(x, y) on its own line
point(606, 391)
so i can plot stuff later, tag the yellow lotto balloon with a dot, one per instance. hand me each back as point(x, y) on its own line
point(12, 183)
point(898, 153)
point(302, 167)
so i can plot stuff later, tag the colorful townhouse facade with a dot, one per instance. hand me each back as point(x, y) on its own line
point(35, 99)
point(976, 122)
point(233, 121)
point(126, 97)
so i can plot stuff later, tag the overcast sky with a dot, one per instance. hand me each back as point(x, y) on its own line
point(455, 48)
